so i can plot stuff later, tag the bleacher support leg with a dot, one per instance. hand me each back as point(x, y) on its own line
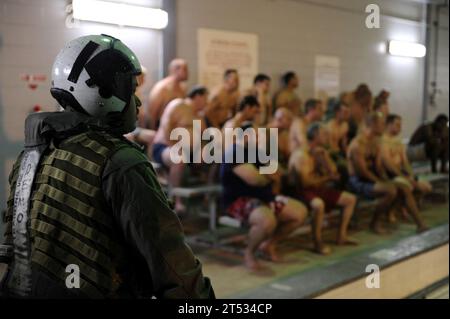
point(212, 214)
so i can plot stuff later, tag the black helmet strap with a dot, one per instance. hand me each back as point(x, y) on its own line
point(81, 60)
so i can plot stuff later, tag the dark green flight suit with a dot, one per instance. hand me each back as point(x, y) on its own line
point(96, 203)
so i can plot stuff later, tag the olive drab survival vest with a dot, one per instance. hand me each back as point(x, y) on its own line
point(70, 222)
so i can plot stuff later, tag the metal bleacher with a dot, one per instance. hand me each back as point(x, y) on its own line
point(210, 192)
point(223, 229)
point(439, 181)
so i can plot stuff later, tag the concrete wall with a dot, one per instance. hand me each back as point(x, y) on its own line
point(292, 32)
point(31, 34)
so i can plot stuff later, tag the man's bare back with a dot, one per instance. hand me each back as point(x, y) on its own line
point(265, 105)
point(223, 105)
point(290, 100)
point(234, 122)
point(176, 114)
point(161, 95)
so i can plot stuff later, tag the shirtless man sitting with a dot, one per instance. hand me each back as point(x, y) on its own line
point(166, 90)
point(260, 89)
point(215, 117)
point(224, 101)
point(368, 177)
point(179, 113)
point(381, 103)
point(248, 111)
point(315, 169)
point(282, 120)
point(395, 159)
point(287, 97)
point(360, 105)
point(313, 113)
point(248, 196)
point(337, 131)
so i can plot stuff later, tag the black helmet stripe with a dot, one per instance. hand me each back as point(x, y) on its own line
point(81, 60)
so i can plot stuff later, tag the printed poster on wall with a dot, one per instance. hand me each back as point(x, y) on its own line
point(327, 77)
point(220, 50)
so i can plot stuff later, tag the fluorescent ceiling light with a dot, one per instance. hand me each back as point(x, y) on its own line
point(119, 13)
point(407, 49)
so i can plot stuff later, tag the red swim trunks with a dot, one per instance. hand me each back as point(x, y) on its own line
point(329, 196)
point(242, 207)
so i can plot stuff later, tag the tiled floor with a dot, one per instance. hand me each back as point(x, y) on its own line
point(230, 278)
